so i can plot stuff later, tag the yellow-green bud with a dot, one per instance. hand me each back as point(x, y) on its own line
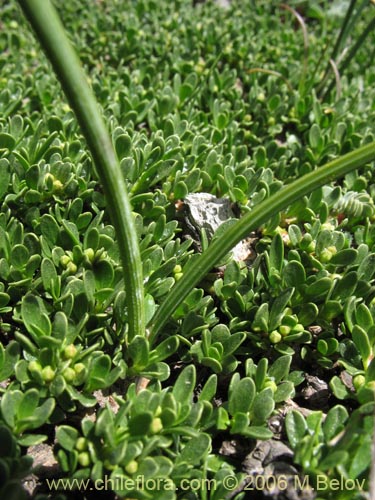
point(271, 384)
point(370, 385)
point(275, 337)
point(34, 366)
point(48, 374)
point(79, 367)
point(49, 180)
point(156, 425)
point(261, 97)
point(311, 247)
point(132, 467)
point(84, 459)
point(81, 444)
point(325, 255)
point(290, 320)
point(70, 351)
point(57, 185)
point(64, 260)
point(298, 328)
point(90, 254)
point(69, 374)
point(71, 267)
point(358, 381)
point(284, 330)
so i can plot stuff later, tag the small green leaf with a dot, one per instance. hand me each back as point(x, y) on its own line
point(258, 432)
point(296, 427)
point(36, 321)
point(338, 388)
point(260, 322)
point(209, 389)
point(294, 274)
point(49, 274)
point(123, 145)
point(260, 373)
point(31, 439)
point(180, 190)
point(295, 234)
point(19, 256)
point(184, 385)
point(9, 404)
point(315, 137)
point(260, 157)
point(165, 349)
point(159, 227)
point(361, 459)
point(4, 176)
point(308, 313)
point(334, 459)
point(139, 425)
point(334, 422)
point(7, 141)
point(150, 307)
point(212, 363)
point(363, 317)
point(242, 396)
point(60, 326)
point(262, 407)
point(195, 450)
point(49, 228)
point(319, 287)
point(277, 308)
point(280, 368)
point(284, 391)
point(104, 274)
point(100, 366)
point(344, 257)
point(239, 423)
point(39, 416)
point(67, 437)
point(138, 352)
point(8, 359)
point(28, 404)
point(366, 268)
point(362, 343)
point(345, 287)
point(331, 309)
point(277, 253)
point(233, 342)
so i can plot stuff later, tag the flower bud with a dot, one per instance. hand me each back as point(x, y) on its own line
point(70, 351)
point(84, 459)
point(275, 337)
point(156, 425)
point(131, 467)
point(48, 374)
point(358, 381)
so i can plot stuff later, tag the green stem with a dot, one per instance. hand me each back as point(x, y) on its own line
point(338, 43)
point(345, 63)
point(51, 34)
point(253, 220)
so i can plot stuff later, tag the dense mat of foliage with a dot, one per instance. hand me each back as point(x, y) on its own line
point(279, 348)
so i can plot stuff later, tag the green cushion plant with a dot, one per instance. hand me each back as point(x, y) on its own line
point(102, 291)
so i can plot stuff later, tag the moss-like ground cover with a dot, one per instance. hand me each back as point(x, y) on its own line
point(261, 383)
